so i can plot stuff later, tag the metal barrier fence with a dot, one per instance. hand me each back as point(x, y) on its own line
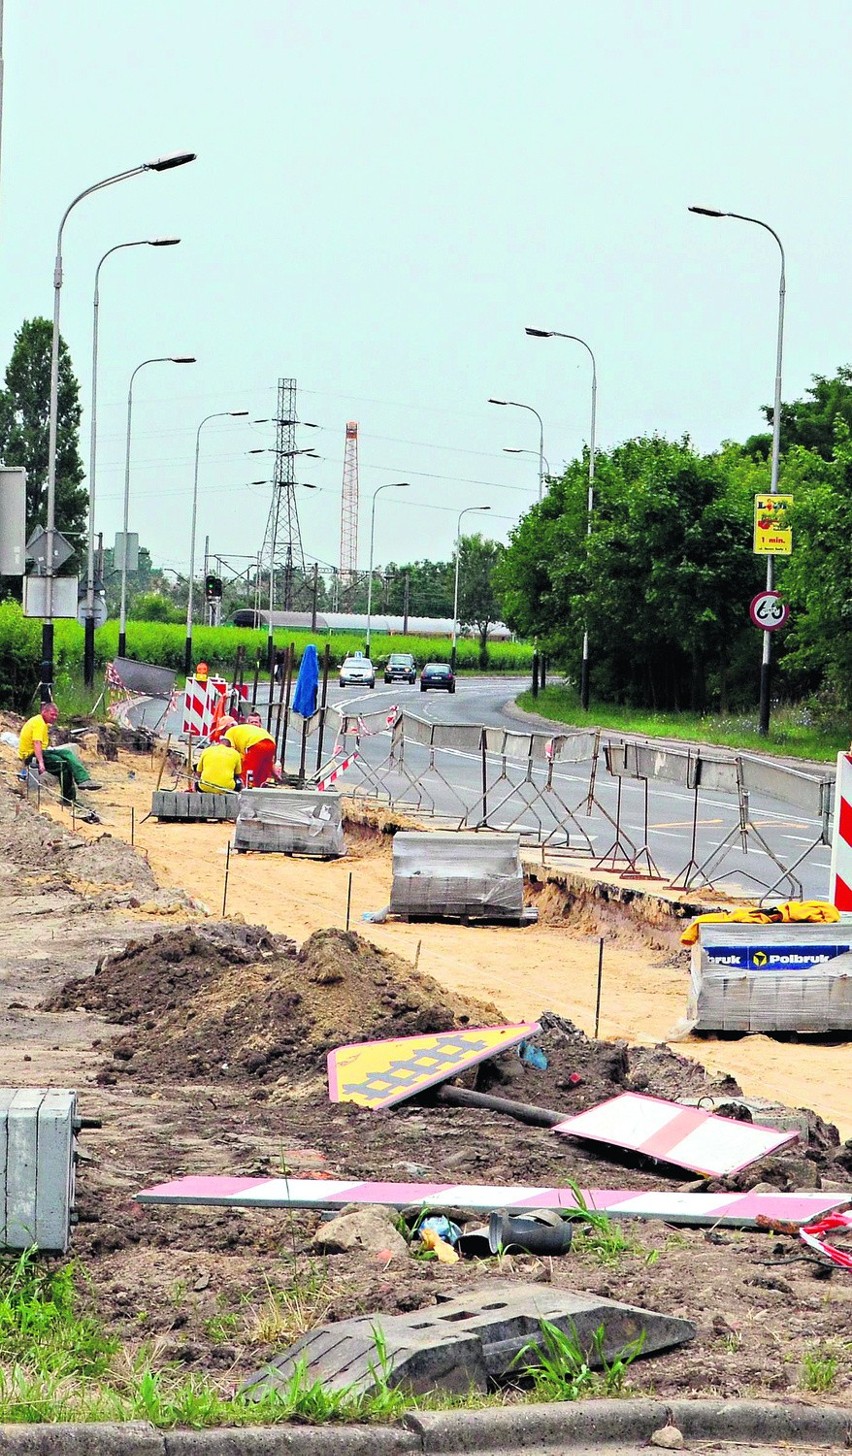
point(526, 781)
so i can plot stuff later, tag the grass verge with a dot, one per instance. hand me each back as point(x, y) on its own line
point(791, 734)
point(58, 1363)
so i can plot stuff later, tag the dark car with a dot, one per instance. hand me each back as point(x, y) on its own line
point(437, 675)
point(400, 667)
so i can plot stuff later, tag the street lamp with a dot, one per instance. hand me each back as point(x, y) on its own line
point(766, 658)
point(465, 512)
point(89, 620)
point(590, 504)
point(218, 415)
point(541, 462)
point(160, 359)
point(161, 164)
point(389, 485)
point(519, 450)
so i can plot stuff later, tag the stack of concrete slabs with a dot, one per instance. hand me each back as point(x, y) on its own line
point(290, 821)
point(446, 875)
point(767, 978)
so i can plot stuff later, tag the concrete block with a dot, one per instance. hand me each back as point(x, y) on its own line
point(109, 1438)
point(37, 1165)
point(462, 1343)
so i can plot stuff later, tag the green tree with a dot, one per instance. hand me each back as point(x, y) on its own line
point(479, 602)
point(817, 578)
point(810, 422)
point(663, 582)
point(24, 426)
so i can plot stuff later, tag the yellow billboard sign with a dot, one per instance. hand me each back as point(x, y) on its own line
point(381, 1073)
point(772, 535)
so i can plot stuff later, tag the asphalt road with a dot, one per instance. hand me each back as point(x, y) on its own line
point(454, 781)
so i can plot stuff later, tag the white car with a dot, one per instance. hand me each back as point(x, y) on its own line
point(357, 671)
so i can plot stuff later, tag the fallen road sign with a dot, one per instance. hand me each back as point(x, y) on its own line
point(728, 1210)
point(381, 1073)
point(675, 1133)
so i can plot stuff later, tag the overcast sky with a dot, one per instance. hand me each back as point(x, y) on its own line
point(386, 193)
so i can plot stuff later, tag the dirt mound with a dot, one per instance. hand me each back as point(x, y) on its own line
point(152, 977)
point(604, 1070)
point(234, 1003)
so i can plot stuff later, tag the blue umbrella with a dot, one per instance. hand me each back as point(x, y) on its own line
point(305, 696)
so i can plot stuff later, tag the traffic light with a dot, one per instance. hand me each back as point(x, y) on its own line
point(213, 588)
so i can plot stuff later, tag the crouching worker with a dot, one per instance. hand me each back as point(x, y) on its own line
point(33, 747)
point(218, 769)
point(256, 748)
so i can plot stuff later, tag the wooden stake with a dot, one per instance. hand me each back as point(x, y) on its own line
point(349, 900)
point(227, 872)
point(132, 826)
point(600, 979)
point(165, 760)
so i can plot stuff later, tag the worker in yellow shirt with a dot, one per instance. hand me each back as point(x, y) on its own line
point(257, 750)
point(34, 747)
point(218, 769)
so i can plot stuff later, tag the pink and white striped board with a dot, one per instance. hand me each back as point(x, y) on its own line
point(674, 1133)
point(729, 1210)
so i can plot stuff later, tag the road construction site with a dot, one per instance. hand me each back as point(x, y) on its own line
point(200, 1045)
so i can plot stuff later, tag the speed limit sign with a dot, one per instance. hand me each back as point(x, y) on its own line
point(768, 611)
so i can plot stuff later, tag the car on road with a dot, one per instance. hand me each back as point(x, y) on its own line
point(356, 672)
point(400, 667)
point(437, 675)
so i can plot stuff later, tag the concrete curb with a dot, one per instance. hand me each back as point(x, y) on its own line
point(600, 1422)
point(446, 1433)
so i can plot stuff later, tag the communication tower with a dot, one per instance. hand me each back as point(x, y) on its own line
point(349, 507)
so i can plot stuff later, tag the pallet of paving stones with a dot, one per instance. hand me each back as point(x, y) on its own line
point(457, 876)
point(306, 822)
point(195, 808)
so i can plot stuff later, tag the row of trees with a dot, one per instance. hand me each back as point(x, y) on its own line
point(665, 579)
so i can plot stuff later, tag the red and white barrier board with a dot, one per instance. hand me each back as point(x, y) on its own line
point(199, 700)
point(841, 845)
point(728, 1210)
point(675, 1133)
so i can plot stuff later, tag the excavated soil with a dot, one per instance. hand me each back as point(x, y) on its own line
point(230, 1003)
point(201, 1050)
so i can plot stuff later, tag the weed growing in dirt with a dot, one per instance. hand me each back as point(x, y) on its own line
point(40, 1328)
point(561, 1369)
point(600, 1237)
point(288, 1313)
point(819, 1368)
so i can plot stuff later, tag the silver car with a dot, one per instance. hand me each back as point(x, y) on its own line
point(357, 671)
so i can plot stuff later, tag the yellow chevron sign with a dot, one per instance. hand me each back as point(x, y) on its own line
point(380, 1073)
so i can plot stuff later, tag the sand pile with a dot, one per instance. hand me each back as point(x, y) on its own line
point(236, 1003)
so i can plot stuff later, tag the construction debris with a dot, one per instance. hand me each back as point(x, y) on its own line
point(467, 1341)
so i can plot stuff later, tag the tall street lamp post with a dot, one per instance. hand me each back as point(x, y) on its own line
point(520, 450)
point(541, 461)
point(217, 415)
point(766, 658)
point(465, 512)
point(160, 359)
point(590, 505)
point(162, 164)
point(89, 620)
point(389, 485)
